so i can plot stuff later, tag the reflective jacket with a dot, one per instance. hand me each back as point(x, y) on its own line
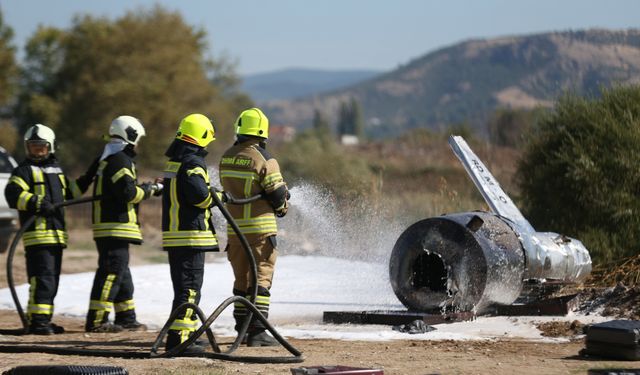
point(247, 169)
point(115, 214)
point(32, 182)
point(186, 198)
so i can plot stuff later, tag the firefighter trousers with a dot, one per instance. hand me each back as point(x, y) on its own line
point(43, 270)
point(187, 273)
point(112, 285)
point(265, 252)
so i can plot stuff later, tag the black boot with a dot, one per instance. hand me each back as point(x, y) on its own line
point(103, 326)
point(173, 340)
point(40, 329)
point(261, 338)
point(256, 334)
point(40, 324)
point(57, 329)
point(127, 320)
point(239, 310)
point(132, 326)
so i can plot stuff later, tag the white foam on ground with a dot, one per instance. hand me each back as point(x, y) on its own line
point(303, 288)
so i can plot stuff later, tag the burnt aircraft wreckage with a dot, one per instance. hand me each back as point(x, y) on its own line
point(471, 261)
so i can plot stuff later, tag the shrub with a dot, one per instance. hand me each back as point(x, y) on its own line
point(579, 173)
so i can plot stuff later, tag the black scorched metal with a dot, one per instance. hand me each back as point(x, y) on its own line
point(471, 260)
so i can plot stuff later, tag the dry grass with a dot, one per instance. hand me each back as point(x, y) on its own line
point(624, 271)
point(421, 178)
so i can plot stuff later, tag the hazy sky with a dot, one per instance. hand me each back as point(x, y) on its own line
point(267, 35)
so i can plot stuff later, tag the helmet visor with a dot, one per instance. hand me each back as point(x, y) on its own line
point(38, 149)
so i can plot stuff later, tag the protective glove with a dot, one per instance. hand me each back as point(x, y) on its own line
point(85, 180)
point(45, 208)
point(282, 210)
point(159, 182)
point(157, 189)
point(222, 195)
point(147, 187)
point(151, 188)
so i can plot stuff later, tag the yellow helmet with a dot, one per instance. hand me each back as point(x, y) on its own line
point(196, 129)
point(253, 122)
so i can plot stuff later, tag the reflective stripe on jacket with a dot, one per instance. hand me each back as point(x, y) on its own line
point(246, 169)
point(186, 219)
point(29, 185)
point(115, 214)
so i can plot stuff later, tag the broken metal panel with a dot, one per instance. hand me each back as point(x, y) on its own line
point(554, 256)
point(549, 255)
point(557, 306)
point(389, 317)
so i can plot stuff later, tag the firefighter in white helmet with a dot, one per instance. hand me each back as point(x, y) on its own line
point(35, 186)
point(115, 226)
point(247, 169)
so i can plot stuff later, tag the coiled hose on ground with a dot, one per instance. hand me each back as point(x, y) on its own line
point(178, 350)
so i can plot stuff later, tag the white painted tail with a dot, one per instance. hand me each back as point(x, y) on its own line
point(487, 185)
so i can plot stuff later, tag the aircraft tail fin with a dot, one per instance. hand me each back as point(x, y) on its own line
point(499, 202)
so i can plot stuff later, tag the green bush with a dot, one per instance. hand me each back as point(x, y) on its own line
point(9, 137)
point(508, 127)
point(579, 174)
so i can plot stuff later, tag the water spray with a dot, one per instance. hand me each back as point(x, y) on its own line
point(318, 223)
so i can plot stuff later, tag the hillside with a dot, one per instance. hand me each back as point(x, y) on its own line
point(294, 83)
point(467, 81)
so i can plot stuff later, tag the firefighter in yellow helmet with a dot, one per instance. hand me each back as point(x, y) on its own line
point(35, 186)
point(187, 230)
point(247, 169)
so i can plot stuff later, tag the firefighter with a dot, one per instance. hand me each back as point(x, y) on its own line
point(187, 230)
point(115, 226)
point(34, 187)
point(247, 169)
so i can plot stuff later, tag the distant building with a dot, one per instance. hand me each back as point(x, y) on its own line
point(282, 133)
point(349, 139)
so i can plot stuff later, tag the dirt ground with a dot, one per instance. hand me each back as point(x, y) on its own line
point(394, 357)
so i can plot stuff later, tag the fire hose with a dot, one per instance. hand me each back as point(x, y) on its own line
point(206, 321)
point(12, 250)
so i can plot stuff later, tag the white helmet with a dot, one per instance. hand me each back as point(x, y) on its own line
point(39, 133)
point(128, 128)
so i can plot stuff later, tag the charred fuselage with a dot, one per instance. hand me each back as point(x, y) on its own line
point(471, 260)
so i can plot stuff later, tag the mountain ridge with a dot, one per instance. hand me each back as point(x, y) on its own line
point(467, 81)
point(289, 83)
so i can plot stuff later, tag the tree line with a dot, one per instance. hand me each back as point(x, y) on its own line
point(149, 64)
